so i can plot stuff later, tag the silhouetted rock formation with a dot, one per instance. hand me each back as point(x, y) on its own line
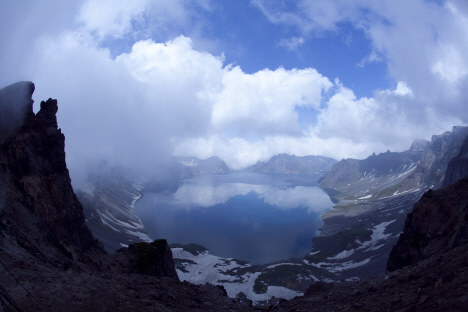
point(154, 259)
point(40, 210)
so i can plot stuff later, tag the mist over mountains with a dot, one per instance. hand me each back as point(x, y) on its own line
point(15, 100)
point(44, 237)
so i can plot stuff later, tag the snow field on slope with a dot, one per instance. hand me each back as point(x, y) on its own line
point(210, 269)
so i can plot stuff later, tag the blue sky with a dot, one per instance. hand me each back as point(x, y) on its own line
point(138, 81)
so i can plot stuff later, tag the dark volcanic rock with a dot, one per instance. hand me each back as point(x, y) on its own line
point(437, 284)
point(437, 224)
point(40, 210)
point(458, 166)
point(154, 259)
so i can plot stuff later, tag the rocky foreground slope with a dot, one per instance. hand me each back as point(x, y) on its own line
point(50, 261)
point(428, 266)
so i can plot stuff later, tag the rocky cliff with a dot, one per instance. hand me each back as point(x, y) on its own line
point(458, 166)
point(40, 211)
point(437, 224)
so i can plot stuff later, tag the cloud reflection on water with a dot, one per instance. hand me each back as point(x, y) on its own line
point(190, 196)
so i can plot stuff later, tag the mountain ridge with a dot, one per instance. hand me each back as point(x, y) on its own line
point(292, 164)
point(419, 168)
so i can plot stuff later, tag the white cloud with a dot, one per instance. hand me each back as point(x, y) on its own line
point(127, 109)
point(239, 153)
point(423, 43)
point(110, 17)
point(403, 89)
point(291, 44)
point(264, 102)
point(190, 196)
point(450, 65)
point(135, 107)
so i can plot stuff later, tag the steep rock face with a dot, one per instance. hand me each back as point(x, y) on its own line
point(445, 147)
point(458, 166)
point(438, 223)
point(40, 211)
point(378, 175)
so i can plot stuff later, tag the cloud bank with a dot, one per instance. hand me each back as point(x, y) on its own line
point(137, 82)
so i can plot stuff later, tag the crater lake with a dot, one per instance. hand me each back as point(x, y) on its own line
point(259, 218)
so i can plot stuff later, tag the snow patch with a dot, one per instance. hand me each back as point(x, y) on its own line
point(342, 255)
point(206, 268)
point(376, 236)
point(140, 235)
point(339, 267)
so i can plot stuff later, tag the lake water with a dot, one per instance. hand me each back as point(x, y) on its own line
point(259, 218)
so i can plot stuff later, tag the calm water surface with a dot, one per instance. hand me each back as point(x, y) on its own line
point(254, 217)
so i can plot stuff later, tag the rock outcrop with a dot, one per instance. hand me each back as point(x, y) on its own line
point(437, 224)
point(153, 259)
point(40, 211)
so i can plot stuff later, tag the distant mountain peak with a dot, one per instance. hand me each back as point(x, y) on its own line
point(292, 164)
point(211, 165)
